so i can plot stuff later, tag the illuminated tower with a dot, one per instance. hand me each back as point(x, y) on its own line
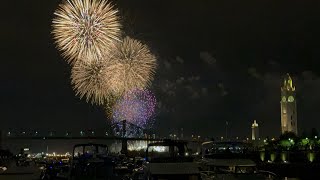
point(288, 106)
point(255, 130)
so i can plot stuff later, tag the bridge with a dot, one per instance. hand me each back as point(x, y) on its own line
point(80, 137)
point(122, 132)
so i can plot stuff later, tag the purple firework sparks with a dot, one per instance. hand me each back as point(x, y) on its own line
point(137, 107)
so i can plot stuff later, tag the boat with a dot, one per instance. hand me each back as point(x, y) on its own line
point(230, 162)
point(170, 160)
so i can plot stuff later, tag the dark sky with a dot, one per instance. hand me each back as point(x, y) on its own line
point(218, 61)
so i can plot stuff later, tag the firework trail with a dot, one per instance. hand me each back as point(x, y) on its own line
point(85, 29)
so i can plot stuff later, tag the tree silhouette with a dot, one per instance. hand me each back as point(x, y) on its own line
point(314, 132)
point(304, 134)
point(287, 135)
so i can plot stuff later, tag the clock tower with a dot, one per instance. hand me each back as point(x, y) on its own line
point(288, 106)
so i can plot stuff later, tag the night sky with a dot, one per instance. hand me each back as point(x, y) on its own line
point(218, 61)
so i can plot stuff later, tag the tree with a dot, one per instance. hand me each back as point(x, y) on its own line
point(287, 135)
point(304, 134)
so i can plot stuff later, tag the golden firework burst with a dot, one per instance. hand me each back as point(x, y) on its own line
point(85, 29)
point(132, 66)
point(89, 81)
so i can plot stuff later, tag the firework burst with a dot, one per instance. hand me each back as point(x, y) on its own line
point(85, 29)
point(136, 107)
point(89, 81)
point(132, 66)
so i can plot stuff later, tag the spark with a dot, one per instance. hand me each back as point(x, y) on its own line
point(89, 81)
point(85, 29)
point(132, 66)
point(136, 107)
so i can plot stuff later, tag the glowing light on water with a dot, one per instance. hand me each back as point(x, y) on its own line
point(284, 157)
point(262, 155)
point(273, 156)
point(311, 156)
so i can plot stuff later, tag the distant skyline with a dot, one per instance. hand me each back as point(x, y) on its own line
point(218, 61)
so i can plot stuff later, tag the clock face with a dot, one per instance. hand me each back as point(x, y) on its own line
point(290, 99)
point(284, 99)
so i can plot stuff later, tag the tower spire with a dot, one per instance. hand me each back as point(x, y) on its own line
point(288, 106)
point(288, 84)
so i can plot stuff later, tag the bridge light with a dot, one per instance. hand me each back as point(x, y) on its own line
point(107, 134)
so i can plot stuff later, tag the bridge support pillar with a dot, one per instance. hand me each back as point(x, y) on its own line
point(124, 147)
point(124, 142)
